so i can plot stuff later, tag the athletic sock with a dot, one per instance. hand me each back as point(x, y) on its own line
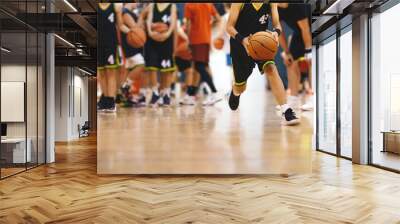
point(155, 90)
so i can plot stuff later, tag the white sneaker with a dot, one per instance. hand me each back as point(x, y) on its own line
point(309, 105)
point(278, 107)
point(188, 100)
point(293, 102)
point(212, 99)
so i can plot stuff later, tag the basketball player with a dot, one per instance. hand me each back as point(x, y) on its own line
point(159, 51)
point(199, 17)
point(109, 18)
point(134, 61)
point(183, 61)
point(245, 20)
point(296, 16)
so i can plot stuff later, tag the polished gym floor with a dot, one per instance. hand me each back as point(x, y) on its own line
point(70, 191)
point(204, 140)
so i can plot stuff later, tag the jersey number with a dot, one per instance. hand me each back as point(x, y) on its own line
point(166, 63)
point(166, 18)
point(111, 18)
point(263, 19)
point(111, 59)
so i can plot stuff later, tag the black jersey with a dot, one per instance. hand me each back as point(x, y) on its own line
point(106, 20)
point(163, 16)
point(294, 13)
point(128, 49)
point(251, 20)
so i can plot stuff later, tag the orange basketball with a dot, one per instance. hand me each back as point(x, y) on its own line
point(136, 37)
point(303, 65)
point(218, 43)
point(182, 49)
point(263, 46)
point(159, 27)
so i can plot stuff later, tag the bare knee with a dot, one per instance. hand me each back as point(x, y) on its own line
point(269, 69)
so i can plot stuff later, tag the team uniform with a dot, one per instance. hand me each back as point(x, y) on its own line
point(250, 21)
point(291, 15)
point(159, 55)
point(133, 56)
point(107, 44)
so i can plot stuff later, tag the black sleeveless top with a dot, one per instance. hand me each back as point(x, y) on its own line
point(163, 16)
point(251, 20)
point(106, 20)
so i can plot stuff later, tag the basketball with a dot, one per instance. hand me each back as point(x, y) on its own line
point(159, 27)
point(136, 37)
point(218, 43)
point(182, 49)
point(262, 46)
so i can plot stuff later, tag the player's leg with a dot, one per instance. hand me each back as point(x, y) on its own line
point(309, 104)
point(278, 90)
point(166, 80)
point(112, 86)
point(185, 66)
point(242, 66)
point(101, 77)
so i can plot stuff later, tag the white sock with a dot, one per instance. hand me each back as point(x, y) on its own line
point(143, 91)
point(155, 90)
point(166, 91)
point(284, 107)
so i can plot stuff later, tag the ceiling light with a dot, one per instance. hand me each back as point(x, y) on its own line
point(70, 5)
point(65, 41)
point(5, 50)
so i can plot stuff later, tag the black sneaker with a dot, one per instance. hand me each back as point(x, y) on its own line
point(101, 104)
point(119, 98)
point(154, 99)
point(142, 100)
point(110, 106)
point(289, 118)
point(166, 100)
point(233, 101)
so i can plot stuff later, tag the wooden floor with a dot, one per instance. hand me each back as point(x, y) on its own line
point(204, 140)
point(70, 191)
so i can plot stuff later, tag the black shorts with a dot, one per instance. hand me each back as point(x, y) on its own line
point(108, 58)
point(297, 48)
point(182, 64)
point(158, 56)
point(243, 64)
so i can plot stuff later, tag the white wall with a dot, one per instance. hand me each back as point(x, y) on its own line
point(71, 102)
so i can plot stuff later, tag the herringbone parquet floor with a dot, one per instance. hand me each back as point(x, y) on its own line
point(69, 191)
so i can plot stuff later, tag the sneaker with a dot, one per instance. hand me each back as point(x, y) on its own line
point(142, 101)
point(233, 101)
point(293, 102)
point(289, 118)
point(309, 105)
point(278, 107)
point(166, 100)
point(111, 107)
point(188, 100)
point(212, 99)
point(154, 99)
point(101, 104)
point(119, 98)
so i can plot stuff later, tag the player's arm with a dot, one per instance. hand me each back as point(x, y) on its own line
point(230, 26)
point(119, 20)
point(275, 21)
point(181, 33)
point(172, 25)
point(306, 34)
point(143, 16)
point(149, 21)
point(219, 21)
point(129, 20)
